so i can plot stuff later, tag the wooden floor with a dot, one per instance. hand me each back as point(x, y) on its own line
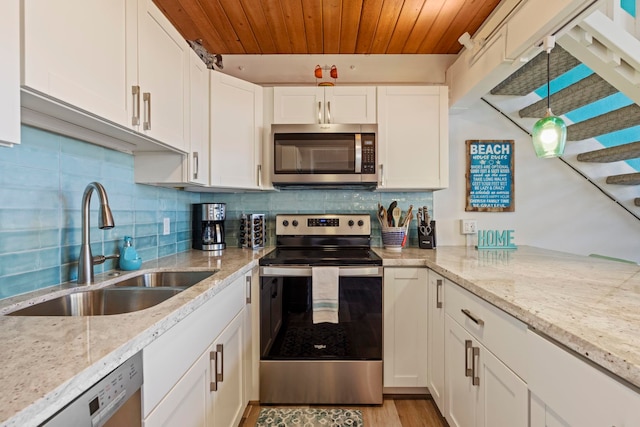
point(392, 413)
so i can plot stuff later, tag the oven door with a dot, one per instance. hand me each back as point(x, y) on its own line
point(322, 363)
point(286, 316)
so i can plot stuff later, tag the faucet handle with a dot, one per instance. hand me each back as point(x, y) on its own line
point(99, 259)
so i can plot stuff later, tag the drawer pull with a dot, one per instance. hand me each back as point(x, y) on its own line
point(476, 356)
point(213, 368)
point(478, 321)
point(467, 346)
point(438, 291)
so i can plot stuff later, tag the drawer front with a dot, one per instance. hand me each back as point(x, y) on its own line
point(504, 335)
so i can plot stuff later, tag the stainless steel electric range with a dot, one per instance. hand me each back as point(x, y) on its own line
point(321, 312)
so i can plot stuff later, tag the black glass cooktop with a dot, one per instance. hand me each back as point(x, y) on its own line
point(319, 257)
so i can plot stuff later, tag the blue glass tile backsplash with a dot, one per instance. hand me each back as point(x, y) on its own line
point(41, 185)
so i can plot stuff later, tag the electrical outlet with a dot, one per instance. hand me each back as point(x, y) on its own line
point(468, 226)
point(166, 226)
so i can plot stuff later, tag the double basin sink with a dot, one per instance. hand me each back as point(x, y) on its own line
point(126, 296)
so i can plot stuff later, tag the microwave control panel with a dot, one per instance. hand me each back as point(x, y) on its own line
point(368, 154)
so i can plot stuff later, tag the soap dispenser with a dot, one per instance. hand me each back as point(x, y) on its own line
point(129, 259)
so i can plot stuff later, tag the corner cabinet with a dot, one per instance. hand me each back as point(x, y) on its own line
point(167, 168)
point(10, 74)
point(413, 138)
point(324, 104)
point(405, 328)
point(236, 133)
point(195, 372)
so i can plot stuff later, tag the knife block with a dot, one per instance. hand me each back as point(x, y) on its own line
point(427, 241)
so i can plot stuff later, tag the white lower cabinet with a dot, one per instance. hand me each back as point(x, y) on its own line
point(481, 390)
point(194, 374)
point(567, 391)
point(405, 327)
point(435, 339)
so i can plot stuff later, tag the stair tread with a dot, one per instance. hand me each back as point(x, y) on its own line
point(624, 179)
point(612, 154)
point(621, 118)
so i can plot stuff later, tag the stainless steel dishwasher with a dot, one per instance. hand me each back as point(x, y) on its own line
point(115, 400)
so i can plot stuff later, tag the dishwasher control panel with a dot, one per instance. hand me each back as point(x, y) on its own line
point(99, 403)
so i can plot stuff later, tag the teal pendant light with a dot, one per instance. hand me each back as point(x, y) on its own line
point(549, 134)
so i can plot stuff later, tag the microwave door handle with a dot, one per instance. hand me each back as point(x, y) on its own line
point(358, 152)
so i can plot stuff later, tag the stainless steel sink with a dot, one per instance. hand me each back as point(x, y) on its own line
point(165, 279)
point(129, 295)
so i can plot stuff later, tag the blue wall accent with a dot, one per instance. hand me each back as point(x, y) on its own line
point(41, 185)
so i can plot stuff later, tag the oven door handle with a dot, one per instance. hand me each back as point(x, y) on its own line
point(305, 271)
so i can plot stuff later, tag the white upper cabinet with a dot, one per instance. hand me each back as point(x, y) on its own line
point(198, 161)
point(236, 133)
point(10, 73)
point(103, 63)
point(163, 78)
point(413, 138)
point(324, 104)
point(78, 51)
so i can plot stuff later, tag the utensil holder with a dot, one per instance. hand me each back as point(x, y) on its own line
point(427, 240)
point(393, 237)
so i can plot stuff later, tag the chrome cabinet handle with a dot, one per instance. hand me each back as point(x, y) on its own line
point(381, 175)
point(220, 375)
point(248, 290)
point(467, 346)
point(475, 375)
point(328, 111)
point(475, 319)
point(259, 176)
point(319, 112)
point(135, 107)
point(438, 289)
point(146, 98)
point(196, 165)
point(213, 368)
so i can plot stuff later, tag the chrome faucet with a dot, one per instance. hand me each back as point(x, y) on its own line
point(105, 221)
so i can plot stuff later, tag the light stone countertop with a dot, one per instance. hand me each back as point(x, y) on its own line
point(48, 361)
point(590, 305)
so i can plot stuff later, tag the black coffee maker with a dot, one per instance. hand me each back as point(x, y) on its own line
point(208, 226)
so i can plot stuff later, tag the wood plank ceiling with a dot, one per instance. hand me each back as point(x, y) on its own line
point(327, 26)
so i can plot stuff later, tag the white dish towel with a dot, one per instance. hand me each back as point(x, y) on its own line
point(324, 285)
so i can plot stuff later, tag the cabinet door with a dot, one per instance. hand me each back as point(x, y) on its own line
point(405, 327)
point(503, 397)
point(228, 397)
point(413, 137)
point(186, 404)
point(235, 132)
point(10, 73)
point(198, 121)
point(435, 339)
point(350, 104)
point(163, 76)
point(462, 395)
point(82, 53)
point(298, 105)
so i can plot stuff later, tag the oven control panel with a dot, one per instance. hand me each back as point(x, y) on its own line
point(323, 224)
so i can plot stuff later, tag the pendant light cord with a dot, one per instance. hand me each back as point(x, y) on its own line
point(548, 81)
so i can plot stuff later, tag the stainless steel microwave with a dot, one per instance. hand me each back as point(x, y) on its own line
point(330, 155)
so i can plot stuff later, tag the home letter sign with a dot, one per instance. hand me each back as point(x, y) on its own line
point(495, 239)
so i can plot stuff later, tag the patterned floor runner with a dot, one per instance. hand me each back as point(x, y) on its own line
point(309, 417)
